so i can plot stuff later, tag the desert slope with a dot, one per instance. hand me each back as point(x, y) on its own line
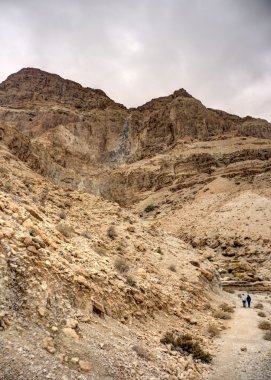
point(88, 289)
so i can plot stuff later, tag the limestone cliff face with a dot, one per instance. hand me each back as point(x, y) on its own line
point(79, 136)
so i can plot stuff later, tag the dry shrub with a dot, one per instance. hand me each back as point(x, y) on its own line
point(142, 352)
point(150, 208)
point(220, 314)
point(43, 196)
point(184, 343)
point(231, 291)
point(7, 187)
point(261, 314)
point(62, 215)
point(264, 325)
point(213, 330)
point(112, 233)
point(130, 281)
point(168, 338)
point(65, 229)
point(100, 250)
point(258, 306)
point(195, 263)
point(86, 234)
point(267, 335)
point(121, 265)
point(172, 267)
point(226, 307)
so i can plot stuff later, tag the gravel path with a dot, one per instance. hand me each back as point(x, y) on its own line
point(254, 363)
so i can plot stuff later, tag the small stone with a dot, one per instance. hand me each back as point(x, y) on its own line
point(138, 298)
point(7, 232)
point(70, 333)
point(243, 348)
point(75, 360)
point(54, 329)
point(41, 311)
point(49, 345)
point(84, 365)
point(72, 323)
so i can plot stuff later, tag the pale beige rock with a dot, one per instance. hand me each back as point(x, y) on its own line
point(85, 366)
point(49, 344)
point(70, 333)
point(41, 311)
point(72, 323)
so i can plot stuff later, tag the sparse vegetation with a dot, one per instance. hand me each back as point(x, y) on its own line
point(86, 234)
point(112, 233)
point(267, 335)
point(142, 352)
point(261, 314)
point(213, 330)
point(231, 291)
point(130, 281)
point(195, 263)
point(172, 267)
point(121, 265)
point(62, 215)
point(220, 314)
point(159, 250)
point(226, 307)
point(149, 208)
point(168, 338)
point(264, 325)
point(258, 306)
point(43, 196)
point(100, 250)
point(7, 187)
point(65, 229)
point(184, 343)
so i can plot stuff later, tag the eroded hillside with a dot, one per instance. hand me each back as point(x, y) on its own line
point(87, 287)
point(117, 226)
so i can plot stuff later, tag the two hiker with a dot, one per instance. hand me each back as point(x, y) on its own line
point(246, 299)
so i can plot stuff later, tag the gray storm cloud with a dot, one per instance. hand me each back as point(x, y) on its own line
point(218, 50)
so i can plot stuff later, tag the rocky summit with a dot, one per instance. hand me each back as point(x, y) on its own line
point(120, 228)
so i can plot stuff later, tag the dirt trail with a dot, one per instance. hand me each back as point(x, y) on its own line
point(231, 363)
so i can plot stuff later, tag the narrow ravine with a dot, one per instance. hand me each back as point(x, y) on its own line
point(242, 353)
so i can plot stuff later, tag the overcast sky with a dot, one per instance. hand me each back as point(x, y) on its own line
point(135, 50)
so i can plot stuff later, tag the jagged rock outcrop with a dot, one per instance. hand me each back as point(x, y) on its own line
point(83, 138)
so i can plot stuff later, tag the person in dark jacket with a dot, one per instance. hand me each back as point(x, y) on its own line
point(244, 300)
point(248, 300)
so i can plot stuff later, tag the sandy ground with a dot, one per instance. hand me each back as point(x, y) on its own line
point(231, 363)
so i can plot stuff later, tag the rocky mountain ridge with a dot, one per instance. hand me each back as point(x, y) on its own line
point(85, 132)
